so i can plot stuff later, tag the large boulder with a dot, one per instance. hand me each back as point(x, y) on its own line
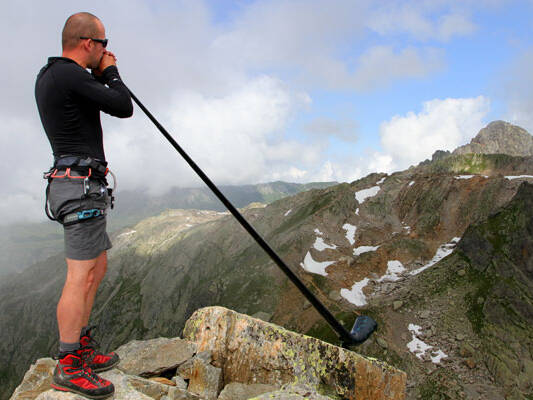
point(151, 357)
point(253, 351)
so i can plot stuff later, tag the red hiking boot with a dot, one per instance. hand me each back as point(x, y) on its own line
point(96, 360)
point(71, 375)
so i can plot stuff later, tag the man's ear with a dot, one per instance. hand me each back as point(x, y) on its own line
point(86, 44)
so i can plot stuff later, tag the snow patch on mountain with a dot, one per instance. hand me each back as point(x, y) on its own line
point(315, 267)
point(356, 295)
point(443, 251)
point(350, 232)
point(419, 348)
point(511, 177)
point(364, 194)
point(320, 245)
point(364, 249)
point(394, 268)
point(127, 233)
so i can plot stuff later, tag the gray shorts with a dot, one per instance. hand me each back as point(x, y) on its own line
point(87, 239)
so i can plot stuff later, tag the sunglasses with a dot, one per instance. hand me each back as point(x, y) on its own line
point(102, 41)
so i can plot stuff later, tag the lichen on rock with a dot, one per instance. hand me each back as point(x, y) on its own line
point(253, 351)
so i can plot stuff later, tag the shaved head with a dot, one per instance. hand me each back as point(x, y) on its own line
point(80, 24)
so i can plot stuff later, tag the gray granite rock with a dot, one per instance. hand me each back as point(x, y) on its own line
point(205, 380)
point(127, 387)
point(151, 357)
point(293, 392)
point(36, 380)
point(241, 391)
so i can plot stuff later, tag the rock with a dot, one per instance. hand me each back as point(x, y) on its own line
point(293, 392)
point(204, 379)
point(479, 391)
point(241, 391)
point(52, 394)
point(206, 356)
point(334, 295)
point(307, 304)
point(397, 305)
point(262, 316)
point(185, 369)
point(164, 381)
point(179, 382)
point(500, 137)
point(425, 314)
point(253, 351)
point(36, 380)
point(127, 387)
point(466, 350)
point(460, 337)
point(461, 272)
point(525, 379)
point(382, 343)
point(152, 357)
point(480, 300)
point(470, 363)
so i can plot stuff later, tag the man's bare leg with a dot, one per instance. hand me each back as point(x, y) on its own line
point(100, 269)
point(72, 305)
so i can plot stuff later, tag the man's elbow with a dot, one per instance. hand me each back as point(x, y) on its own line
point(126, 111)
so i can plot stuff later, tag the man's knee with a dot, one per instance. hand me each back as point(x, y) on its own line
point(80, 272)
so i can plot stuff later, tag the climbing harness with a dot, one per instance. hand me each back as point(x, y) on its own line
point(86, 169)
point(363, 326)
point(79, 216)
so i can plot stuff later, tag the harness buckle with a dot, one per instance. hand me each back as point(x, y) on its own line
point(54, 174)
point(78, 177)
point(86, 214)
point(67, 174)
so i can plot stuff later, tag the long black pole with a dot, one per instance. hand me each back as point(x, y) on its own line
point(332, 321)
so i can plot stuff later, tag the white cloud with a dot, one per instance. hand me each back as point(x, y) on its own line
point(304, 40)
point(23, 163)
point(340, 171)
point(201, 79)
point(326, 127)
point(235, 139)
point(381, 65)
point(429, 20)
point(516, 89)
point(441, 125)
point(455, 24)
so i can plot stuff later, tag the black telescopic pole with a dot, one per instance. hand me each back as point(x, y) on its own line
point(345, 336)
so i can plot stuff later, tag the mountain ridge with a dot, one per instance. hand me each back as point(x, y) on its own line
point(26, 243)
point(383, 245)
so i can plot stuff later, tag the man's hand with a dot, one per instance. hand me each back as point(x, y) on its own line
point(107, 60)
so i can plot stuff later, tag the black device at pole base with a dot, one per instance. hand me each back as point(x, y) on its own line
point(364, 325)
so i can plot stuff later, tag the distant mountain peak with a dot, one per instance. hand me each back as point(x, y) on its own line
point(500, 137)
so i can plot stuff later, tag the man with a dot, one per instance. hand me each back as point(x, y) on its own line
point(70, 99)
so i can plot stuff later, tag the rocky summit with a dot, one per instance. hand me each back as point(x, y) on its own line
point(500, 137)
point(226, 355)
point(440, 255)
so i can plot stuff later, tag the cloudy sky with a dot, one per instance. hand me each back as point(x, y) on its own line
point(256, 91)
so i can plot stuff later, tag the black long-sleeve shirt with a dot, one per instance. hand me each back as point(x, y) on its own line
point(70, 99)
